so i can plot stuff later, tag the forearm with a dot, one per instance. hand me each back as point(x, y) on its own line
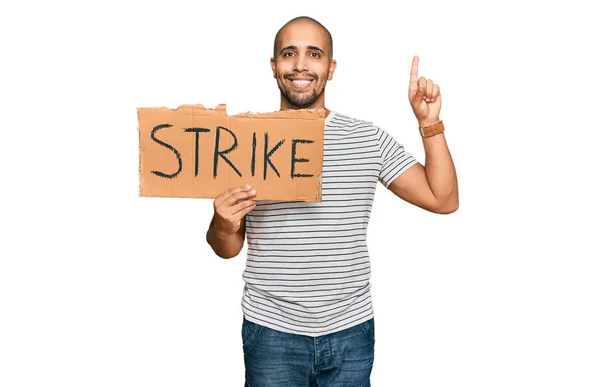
point(225, 246)
point(440, 172)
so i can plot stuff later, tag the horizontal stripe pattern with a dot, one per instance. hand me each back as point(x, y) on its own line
point(308, 266)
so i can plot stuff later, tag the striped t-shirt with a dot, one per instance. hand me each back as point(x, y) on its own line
point(307, 268)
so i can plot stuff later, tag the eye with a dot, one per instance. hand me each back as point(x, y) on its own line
point(315, 54)
point(287, 54)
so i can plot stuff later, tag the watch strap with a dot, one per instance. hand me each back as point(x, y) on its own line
point(432, 130)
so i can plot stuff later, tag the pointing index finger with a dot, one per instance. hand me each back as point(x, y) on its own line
point(414, 71)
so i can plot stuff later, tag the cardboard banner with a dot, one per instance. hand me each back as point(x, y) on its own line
point(196, 152)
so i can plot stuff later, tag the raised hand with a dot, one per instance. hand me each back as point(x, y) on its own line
point(424, 96)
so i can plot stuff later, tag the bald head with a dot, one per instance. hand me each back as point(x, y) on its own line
point(300, 20)
point(302, 63)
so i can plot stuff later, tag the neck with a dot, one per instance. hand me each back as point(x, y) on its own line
point(291, 107)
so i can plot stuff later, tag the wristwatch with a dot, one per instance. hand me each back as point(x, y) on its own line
point(432, 130)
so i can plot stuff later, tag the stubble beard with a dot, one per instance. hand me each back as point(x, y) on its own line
point(300, 100)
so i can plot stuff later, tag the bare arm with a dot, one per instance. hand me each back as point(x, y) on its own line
point(227, 229)
point(433, 187)
point(226, 245)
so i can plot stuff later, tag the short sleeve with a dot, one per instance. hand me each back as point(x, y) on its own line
point(395, 159)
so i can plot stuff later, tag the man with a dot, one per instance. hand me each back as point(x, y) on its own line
point(308, 318)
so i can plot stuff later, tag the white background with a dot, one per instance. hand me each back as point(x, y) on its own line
point(99, 287)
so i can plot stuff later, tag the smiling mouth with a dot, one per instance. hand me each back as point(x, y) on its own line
point(300, 84)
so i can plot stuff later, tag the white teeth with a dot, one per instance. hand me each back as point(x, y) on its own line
point(301, 82)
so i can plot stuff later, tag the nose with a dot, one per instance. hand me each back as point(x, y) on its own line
point(301, 64)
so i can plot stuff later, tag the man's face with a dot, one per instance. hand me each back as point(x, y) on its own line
point(302, 66)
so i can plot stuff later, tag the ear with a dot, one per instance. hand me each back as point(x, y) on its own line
point(273, 67)
point(332, 67)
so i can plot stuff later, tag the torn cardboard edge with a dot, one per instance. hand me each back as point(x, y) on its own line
point(221, 110)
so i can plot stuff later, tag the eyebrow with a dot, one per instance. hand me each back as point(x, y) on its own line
point(315, 48)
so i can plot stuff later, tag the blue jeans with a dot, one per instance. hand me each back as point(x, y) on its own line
point(278, 359)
